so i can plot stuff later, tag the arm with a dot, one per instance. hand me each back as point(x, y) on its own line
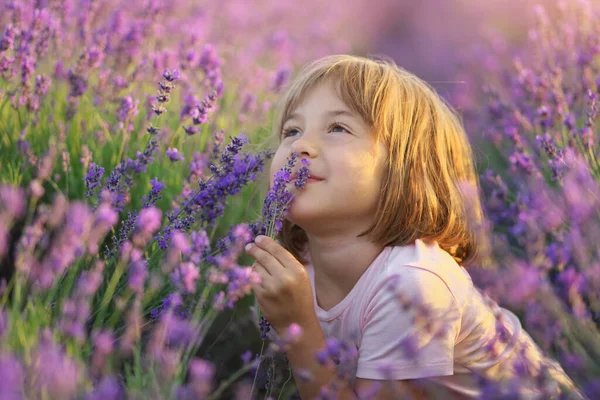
point(301, 356)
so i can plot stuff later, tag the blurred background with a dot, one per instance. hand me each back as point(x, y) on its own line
point(78, 91)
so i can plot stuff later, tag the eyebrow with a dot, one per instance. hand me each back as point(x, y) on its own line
point(333, 113)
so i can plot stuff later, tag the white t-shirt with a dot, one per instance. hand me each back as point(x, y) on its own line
point(457, 340)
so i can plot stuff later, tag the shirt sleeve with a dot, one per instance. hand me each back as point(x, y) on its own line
point(410, 326)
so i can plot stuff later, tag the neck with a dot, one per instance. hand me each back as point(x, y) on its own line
point(338, 262)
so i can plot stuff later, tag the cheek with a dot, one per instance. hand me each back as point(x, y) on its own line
point(278, 162)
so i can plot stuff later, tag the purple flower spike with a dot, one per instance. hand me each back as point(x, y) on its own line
point(174, 154)
point(171, 76)
point(11, 200)
point(54, 372)
point(93, 179)
point(279, 199)
point(303, 174)
point(13, 378)
point(186, 276)
point(149, 220)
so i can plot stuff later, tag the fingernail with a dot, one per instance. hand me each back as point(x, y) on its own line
point(248, 246)
point(258, 239)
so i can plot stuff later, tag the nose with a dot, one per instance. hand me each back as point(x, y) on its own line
point(304, 148)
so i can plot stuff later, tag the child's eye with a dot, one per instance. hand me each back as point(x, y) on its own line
point(337, 125)
point(288, 131)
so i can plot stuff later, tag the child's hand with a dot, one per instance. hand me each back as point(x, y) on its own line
point(284, 293)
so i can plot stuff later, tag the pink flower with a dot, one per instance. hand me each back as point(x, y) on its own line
point(186, 275)
point(149, 219)
point(293, 332)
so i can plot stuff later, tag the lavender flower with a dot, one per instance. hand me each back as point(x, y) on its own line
point(201, 376)
point(185, 277)
point(7, 40)
point(154, 193)
point(149, 220)
point(207, 203)
point(128, 109)
point(281, 78)
point(12, 201)
point(278, 199)
point(109, 388)
point(174, 154)
point(42, 83)
point(13, 378)
point(92, 179)
point(53, 372)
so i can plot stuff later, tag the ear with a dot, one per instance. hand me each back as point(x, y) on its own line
point(391, 389)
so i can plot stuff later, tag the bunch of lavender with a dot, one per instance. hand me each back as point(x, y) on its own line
point(542, 198)
point(275, 209)
point(278, 199)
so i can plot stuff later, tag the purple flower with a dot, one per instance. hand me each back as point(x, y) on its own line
point(207, 203)
point(75, 313)
point(185, 276)
point(127, 110)
point(200, 113)
point(181, 333)
point(149, 220)
point(281, 78)
point(278, 198)
point(77, 83)
point(106, 215)
point(54, 373)
point(13, 379)
point(197, 166)
point(92, 179)
point(12, 201)
point(174, 154)
point(88, 282)
point(303, 174)
point(154, 193)
point(109, 388)
point(265, 327)
point(137, 274)
point(7, 40)
point(42, 83)
point(201, 374)
point(171, 76)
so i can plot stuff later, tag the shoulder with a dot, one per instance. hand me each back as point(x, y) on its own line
point(423, 268)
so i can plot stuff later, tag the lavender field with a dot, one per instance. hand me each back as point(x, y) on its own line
point(134, 157)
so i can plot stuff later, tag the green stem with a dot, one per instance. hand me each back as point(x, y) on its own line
point(262, 347)
point(114, 317)
point(285, 383)
point(9, 287)
point(268, 394)
point(114, 280)
point(228, 382)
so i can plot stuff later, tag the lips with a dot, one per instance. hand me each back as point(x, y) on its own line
point(310, 176)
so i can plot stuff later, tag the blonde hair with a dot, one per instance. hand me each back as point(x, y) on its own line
point(429, 155)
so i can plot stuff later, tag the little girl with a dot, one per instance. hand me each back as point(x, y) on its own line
point(374, 247)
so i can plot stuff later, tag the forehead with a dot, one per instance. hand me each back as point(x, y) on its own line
point(327, 92)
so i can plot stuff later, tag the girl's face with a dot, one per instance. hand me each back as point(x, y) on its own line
point(347, 165)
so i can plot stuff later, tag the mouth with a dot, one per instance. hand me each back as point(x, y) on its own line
point(311, 178)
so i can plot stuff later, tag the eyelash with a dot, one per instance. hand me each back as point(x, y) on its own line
point(286, 131)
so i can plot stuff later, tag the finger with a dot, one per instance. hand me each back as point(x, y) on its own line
point(266, 260)
point(285, 258)
point(262, 288)
point(262, 272)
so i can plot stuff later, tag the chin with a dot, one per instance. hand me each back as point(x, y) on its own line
point(304, 216)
